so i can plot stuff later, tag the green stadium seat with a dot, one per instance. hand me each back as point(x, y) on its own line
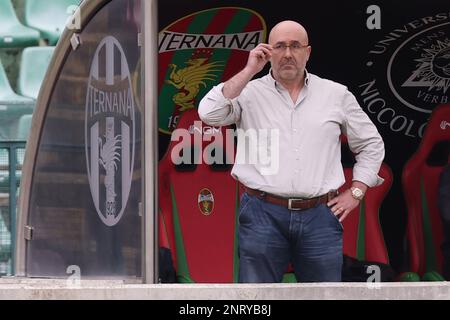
point(13, 34)
point(10, 115)
point(7, 95)
point(23, 129)
point(12, 108)
point(34, 64)
point(420, 180)
point(49, 17)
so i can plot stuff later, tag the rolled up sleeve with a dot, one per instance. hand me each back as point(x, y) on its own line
point(364, 140)
point(216, 110)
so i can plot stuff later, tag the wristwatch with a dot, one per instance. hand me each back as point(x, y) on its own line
point(357, 193)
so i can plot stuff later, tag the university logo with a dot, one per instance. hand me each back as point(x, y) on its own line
point(410, 64)
point(206, 202)
point(426, 82)
point(199, 51)
point(110, 131)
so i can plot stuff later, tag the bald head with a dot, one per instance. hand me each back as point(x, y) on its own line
point(288, 66)
point(288, 30)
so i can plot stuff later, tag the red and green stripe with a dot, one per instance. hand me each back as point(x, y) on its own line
point(361, 240)
point(183, 273)
point(430, 253)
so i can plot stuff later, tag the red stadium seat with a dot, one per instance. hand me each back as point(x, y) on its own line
point(420, 185)
point(363, 237)
point(198, 207)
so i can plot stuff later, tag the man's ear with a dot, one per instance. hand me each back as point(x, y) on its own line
point(309, 49)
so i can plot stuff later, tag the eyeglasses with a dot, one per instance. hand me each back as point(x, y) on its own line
point(283, 46)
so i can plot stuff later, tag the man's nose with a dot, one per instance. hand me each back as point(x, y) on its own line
point(288, 52)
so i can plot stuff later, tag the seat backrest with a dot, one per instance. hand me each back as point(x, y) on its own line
point(8, 16)
point(12, 32)
point(363, 236)
point(5, 88)
point(8, 20)
point(198, 205)
point(12, 107)
point(24, 126)
point(34, 64)
point(49, 17)
point(420, 180)
point(7, 95)
point(54, 14)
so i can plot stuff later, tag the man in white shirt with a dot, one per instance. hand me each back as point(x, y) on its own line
point(294, 214)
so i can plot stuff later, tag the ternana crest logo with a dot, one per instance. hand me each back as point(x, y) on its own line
point(206, 202)
point(110, 131)
point(197, 52)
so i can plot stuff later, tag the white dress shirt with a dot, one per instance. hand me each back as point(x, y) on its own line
point(309, 147)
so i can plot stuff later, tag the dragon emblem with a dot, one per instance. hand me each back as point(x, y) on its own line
point(190, 78)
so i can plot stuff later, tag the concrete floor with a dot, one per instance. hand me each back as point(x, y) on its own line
point(26, 289)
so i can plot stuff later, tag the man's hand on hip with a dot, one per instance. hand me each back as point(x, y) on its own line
point(343, 204)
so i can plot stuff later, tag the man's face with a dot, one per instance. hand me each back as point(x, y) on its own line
point(290, 53)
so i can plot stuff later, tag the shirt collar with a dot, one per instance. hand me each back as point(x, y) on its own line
point(274, 83)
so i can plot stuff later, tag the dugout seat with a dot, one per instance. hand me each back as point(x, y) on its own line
point(420, 180)
point(24, 126)
point(363, 237)
point(12, 33)
point(7, 95)
point(33, 67)
point(49, 17)
point(199, 205)
point(12, 108)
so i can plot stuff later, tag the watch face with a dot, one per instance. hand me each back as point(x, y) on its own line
point(357, 193)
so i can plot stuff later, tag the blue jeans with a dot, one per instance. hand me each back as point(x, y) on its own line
point(272, 236)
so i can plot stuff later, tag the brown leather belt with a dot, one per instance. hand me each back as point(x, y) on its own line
point(293, 203)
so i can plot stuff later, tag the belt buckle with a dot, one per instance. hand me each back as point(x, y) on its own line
point(290, 201)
